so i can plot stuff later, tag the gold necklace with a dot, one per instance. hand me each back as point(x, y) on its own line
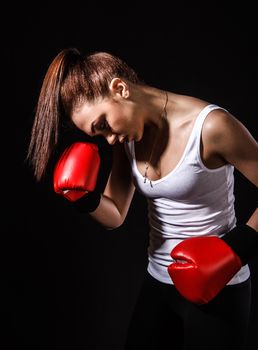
point(147, 163)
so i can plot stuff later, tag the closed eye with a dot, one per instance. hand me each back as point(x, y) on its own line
point(100, 126)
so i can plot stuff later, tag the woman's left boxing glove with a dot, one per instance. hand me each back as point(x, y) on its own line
point(204, 265)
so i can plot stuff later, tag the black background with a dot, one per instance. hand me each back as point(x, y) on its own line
point(66, 282)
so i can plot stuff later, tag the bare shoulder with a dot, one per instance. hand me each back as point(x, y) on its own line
point(188, 105)
point(221, 126)
point(228, 138)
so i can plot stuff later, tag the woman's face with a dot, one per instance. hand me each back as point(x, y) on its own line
point(113, 117)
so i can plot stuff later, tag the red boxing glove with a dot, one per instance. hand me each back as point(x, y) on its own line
point(77, 170)
point(207, 265)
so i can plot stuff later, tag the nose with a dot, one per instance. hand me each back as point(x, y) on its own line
point(111, 139)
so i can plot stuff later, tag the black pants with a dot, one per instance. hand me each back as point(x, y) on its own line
point(163, 319)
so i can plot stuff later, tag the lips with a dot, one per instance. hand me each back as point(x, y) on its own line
point(123, 139)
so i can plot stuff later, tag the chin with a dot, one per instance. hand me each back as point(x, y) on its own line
point(138, 137)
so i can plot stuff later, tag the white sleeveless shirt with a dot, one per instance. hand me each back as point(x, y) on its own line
point(190, 201)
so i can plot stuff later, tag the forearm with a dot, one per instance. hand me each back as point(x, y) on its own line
point(107, 214)
point(253, 221)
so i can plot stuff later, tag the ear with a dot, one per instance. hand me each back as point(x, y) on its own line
point(119, 87)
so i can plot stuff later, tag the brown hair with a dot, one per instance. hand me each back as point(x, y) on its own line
point(70, 80)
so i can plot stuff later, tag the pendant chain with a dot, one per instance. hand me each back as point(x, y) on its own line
point(147, 163)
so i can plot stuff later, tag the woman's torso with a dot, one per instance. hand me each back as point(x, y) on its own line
point(185, 197)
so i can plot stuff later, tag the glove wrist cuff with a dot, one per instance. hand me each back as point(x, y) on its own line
point(88, 203)
point(243, 239)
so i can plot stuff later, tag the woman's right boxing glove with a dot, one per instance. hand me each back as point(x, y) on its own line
point(75, 175)
point(204, 265)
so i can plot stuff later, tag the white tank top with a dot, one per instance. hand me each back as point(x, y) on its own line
point(191, 200)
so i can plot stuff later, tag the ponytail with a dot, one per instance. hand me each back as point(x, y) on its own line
point(46, 126)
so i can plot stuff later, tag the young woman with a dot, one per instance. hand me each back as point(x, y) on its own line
point(180, 152)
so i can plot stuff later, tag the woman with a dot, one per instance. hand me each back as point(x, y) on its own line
point(180, 152)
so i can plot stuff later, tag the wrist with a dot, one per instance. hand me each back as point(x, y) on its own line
point(243, 240)
point(88, 203)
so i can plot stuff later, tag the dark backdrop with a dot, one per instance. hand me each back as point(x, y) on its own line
point(67, 282)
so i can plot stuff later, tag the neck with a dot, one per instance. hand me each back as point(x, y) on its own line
point(160, 115)
point(152, 101)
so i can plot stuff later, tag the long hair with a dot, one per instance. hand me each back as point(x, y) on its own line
point(70, 80)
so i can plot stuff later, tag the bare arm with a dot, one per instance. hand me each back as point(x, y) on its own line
point(229, 139)
point(118, 193)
